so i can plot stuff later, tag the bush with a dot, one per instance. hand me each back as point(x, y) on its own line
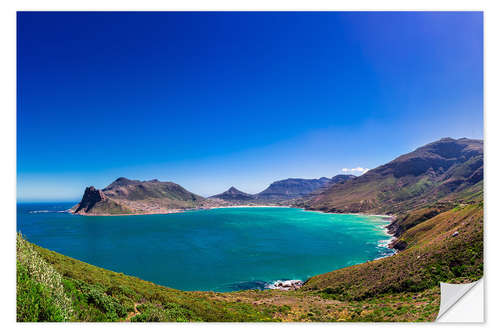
point(34, 302)
point(149, 313)
point(96, 295)
point(43, 280)
point(156, 313)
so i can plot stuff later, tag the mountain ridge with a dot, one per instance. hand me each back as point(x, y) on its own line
point(128, 197)
point(292, 188)
point(442, 170)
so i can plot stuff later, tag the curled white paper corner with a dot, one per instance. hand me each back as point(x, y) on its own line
point(451, 294)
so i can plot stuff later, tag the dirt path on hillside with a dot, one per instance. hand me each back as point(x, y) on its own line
point(133, 314)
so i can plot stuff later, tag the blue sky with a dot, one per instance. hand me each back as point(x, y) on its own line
point(210, 100)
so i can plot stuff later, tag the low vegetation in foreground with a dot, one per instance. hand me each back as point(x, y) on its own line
point(404, 287)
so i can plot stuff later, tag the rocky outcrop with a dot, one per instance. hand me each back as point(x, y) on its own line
point(125, 196)
point(286, 285)
point(90, 198)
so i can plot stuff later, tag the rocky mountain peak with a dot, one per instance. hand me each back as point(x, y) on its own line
point(90, 197)
point(233, 194)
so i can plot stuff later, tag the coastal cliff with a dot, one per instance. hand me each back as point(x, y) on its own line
point(125, 196)
point(95, 202)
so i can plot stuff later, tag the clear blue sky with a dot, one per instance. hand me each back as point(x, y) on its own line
point(211, 100)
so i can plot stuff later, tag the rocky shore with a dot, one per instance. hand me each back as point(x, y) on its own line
point(285, 285)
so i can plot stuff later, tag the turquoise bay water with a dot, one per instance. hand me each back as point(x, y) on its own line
point(220, 249)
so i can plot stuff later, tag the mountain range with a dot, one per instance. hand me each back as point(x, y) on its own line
point(125, 196)
point(442, 171)
point(282, 190)
point(292, 188)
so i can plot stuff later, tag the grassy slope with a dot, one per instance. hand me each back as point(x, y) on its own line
point(433, 254)
point(39, 288)
point(389, 195)
point(109, 206)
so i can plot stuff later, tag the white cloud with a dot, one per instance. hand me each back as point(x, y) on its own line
point(358, 169)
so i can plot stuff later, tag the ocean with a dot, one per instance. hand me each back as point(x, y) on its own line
point(224, 249)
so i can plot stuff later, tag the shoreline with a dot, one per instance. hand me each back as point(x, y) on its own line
point(130, 214)
point(387, 243)
point(175, 211)
point(390, 218)
point(286, 285)
point(248, 206)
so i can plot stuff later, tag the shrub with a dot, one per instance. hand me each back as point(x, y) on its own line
point(34, 302)
point(45, 280)
point(149, 313)
point(96, 295)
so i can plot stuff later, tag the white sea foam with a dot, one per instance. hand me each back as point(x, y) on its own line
point(248, 206)
point(385, 242)
point(47, 211)
point(285, 284)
